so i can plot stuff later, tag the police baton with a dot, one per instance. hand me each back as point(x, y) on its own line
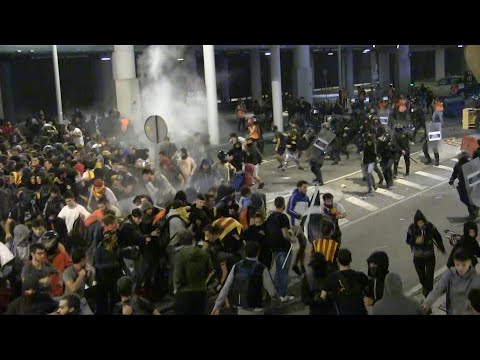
point(416, 162)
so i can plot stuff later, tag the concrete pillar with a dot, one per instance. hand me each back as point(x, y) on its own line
point(439, 63)
point(340, 66)
point(211, 87)
point(403, 69)
point(7, 92)
point(58, 90)
point(256, 75)
point(384, 69)
point(312, 67)
point(349, 70)
point(276, 76)
point(373, 66)
point(126, 83)
point(303, 72)
point(2, 116)
point(224, 78)
point(192, 64)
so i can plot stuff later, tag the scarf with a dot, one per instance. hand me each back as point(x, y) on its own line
point(98, 192)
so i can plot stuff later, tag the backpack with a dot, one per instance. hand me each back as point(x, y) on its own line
point(238, 180)
point(163, 224)
point(248, 276)
point(79, 234)
point(28, 206)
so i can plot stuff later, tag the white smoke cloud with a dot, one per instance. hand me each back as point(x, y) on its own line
point(165, 84)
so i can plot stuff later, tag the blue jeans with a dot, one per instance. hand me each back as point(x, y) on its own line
point(281, 275)
point(369, 174)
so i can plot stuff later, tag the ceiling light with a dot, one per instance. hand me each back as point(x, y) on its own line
point(330, 53)
point(366, 51)
point(374, 46)
point(105, 59)
point(268, 53)
point(398, 46)
point(32, 50)
point(460, 46)
point(19, 51)
point(179, 59)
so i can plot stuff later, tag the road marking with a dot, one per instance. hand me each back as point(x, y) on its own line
point(436, 177)
point(410, 184)
point(264, 162)
point(361, 203)
point(389, 194)
point(344, 176)
point(445, 167)
point(394, 204)
point(418, 287)
point(342, 221)
point(454, 159)
point(286, 178)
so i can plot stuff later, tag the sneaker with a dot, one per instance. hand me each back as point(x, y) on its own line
point(287, 298)
point(407, 174)
point(296, 269)
point(375, 187)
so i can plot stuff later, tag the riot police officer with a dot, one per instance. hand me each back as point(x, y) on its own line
point(338, 145)
point(461, 187)
point(418, 117)
point(434, 146)
point(387, 150)
point(402, 140)
point(316, 159)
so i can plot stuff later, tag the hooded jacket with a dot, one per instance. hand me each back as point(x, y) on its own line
point(202, 180)
point(192, 267)
point(394, 302)
point(376, 281)
point(20, 247)
point(297, 205)
point(456, 287)
point(468, 243)
point(429, 236)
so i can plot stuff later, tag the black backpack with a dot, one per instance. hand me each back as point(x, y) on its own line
point(165, 236)
point(27, 206)
point(248, 276)
point(350, 291)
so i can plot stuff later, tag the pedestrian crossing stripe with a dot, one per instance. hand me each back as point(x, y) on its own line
point(448, 168)
point(389, 194)
point(410, 184)
point(342, 221)
point(436, 177)
point(454, 159)
point(361, 203)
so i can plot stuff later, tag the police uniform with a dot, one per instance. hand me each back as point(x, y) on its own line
point(402, 141)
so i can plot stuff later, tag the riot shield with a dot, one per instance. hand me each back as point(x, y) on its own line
point(434, 131)
point(325, 137)
point(471, 172)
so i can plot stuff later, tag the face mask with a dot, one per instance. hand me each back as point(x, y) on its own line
point(373, 271)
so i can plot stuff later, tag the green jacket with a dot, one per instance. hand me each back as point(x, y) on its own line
point(192, 267)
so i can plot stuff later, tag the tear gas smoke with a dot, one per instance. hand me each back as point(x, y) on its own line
point(170, 88)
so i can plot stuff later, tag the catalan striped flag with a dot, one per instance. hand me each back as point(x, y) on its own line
point(227, 224)
point(328, 247)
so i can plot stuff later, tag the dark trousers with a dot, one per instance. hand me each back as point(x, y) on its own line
point(406, 157)
point(425, 267)
point(418, 127)
point(316, 168)
point(386, 165)
point(241, 124)
point(106, 297)
point(426, 153)
point(190, 303)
